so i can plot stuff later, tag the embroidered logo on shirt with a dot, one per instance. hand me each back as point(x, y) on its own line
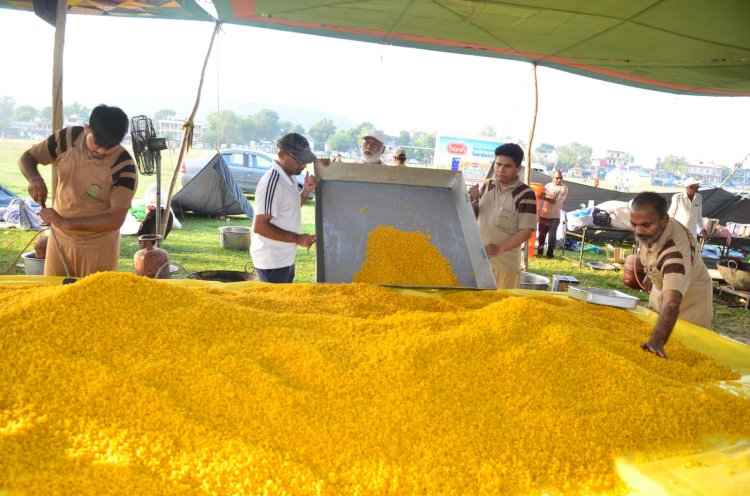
point(94, 191)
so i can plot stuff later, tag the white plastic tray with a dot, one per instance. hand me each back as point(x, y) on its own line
point(599, 296)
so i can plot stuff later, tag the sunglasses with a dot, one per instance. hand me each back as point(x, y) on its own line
point(400, 157)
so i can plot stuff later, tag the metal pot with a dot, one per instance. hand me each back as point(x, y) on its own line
point(32, 266)
point(735, 273)
point(534, 281)
point(234, 237)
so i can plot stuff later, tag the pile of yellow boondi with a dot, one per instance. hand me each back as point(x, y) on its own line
point(124, 385)
point(405, 258)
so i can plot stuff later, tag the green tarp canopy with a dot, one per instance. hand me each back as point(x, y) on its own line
point(695, 47)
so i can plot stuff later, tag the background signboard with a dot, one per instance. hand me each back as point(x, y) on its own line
point(472, 156)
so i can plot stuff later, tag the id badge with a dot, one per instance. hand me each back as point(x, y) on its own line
point(503, 219)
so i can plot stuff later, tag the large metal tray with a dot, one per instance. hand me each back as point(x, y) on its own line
point(353, 199)
point(599, 296)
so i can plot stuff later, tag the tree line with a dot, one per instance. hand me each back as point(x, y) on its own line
point(227, 127)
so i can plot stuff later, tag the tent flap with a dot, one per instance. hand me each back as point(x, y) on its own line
point(678, 46)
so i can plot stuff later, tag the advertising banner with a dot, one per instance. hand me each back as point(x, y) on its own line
point(472, 156)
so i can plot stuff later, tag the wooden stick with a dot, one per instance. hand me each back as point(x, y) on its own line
point(187, 139)
point(527, 172)
point(57, 80)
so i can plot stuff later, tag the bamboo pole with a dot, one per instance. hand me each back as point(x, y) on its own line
point(735, 169)
point(187, 139)
point(527, 172)
point(57, 79)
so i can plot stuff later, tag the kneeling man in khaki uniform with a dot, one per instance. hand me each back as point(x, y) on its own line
point(680, 283)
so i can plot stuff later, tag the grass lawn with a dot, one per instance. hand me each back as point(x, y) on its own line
point(196, 246)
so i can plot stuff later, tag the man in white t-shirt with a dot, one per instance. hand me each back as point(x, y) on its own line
point(277, 224)
point(687, 207)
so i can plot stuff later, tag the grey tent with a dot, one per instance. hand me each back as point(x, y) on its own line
point(718, 203)
point(213, 192)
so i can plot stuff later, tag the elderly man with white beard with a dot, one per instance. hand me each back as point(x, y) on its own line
point(373, 147)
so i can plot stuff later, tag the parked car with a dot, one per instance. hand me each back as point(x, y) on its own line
point(247, 167)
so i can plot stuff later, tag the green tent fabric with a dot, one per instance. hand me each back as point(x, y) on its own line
point(696, 47)
point(158, 9)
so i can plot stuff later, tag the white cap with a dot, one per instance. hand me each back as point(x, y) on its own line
point(377, 134)
point(691, 181)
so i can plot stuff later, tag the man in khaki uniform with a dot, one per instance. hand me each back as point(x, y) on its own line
point(96, 183)
point(506, 211)
point(680, 283)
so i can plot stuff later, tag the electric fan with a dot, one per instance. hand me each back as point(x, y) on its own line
point(146, 146)
point(147, 150)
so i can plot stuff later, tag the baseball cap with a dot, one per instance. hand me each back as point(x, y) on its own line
point(691, 181)
point(399, 152)
point(298, 147)
point(377, 134)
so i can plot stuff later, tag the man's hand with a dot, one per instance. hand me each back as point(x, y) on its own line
point(668, 314)
point(474, 193)
point(325, 162)
point(50, 217)
point(305, 240)
point(308, 185)
point(654, 347)
point(38, 190)
point(492, 250)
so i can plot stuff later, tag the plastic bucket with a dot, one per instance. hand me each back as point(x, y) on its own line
point(32, 266)
point(234, 237)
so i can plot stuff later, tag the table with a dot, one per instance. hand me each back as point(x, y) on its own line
point(623, 234)
point(725, 243)
point(741, 295)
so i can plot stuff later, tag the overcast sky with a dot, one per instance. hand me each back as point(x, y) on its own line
point(147, 65)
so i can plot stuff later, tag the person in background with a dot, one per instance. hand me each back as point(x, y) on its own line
point(554, 195)
point(505, 209)
point(277, 224)
point(677, 279)
point(687, 207)
point(399, 157)
point(373, 147)
point(337, 158)
point(97, 180)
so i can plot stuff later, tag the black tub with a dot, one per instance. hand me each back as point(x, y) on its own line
point(223, 275)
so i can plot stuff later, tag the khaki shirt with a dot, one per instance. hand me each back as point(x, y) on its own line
point(86, 185)
point(502, 213)
point(672, 263)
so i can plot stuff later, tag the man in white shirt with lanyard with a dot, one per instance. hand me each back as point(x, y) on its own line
point(277, 223)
